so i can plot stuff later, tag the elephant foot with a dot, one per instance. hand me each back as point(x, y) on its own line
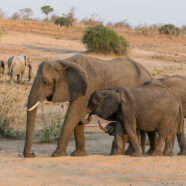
point(168, 154)
point(58, 153)
point(129, 151)
point(182, 152)
point(29, 155)
point(118, 153)
point(79, 153)
point(156, 154)
point(137, 154)
point(149, 152)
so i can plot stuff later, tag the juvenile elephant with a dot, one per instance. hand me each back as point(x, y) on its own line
point(74, 80)
point(2, 67)
point(177, 85)
point(17, 66)
point(116, 128)
point(147, 108)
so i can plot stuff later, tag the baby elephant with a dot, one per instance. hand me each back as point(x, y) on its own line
point(116, 128)
point(148, 108)
point(17, 66)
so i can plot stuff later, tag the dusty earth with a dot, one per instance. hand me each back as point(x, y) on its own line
point(162, 56)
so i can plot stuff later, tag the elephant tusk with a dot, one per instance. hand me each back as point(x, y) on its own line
point(102, 128)
point(33, 107)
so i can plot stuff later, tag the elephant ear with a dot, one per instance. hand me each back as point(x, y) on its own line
point(111, 104)
point(123, 92)
point(76, 79)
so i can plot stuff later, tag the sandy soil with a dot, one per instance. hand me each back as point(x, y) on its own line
point(96, 169)
point(161, 56)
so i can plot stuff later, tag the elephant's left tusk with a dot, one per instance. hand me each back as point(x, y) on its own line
point(33, 107)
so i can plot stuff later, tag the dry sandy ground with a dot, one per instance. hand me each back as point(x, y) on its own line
point(98, 168)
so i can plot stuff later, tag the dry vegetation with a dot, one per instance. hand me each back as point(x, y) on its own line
point(162, 55)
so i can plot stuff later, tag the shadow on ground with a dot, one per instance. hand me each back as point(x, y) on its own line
point(57, 50)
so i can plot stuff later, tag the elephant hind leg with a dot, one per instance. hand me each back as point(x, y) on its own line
point(182, 143)
point(169, 145)
point(159, 149)
point(133, 139)
point(151, 136)
point(143, 141)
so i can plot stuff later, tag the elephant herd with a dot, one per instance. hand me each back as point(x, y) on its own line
point(121, 91)
point(17, 67)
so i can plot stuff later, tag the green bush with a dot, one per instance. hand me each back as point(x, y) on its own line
point(63, 21)
point(101, 39)
point(169, 29)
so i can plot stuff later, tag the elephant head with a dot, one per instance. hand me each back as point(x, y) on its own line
point(27, 60)
point(110, 128)
point(56, 81)
point(104, 103)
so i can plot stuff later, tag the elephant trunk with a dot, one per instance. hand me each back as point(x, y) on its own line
point(31, 115)
point(102, 128)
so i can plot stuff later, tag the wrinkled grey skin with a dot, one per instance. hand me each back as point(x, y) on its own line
point(74, 80)
point(116, 128)
point(17, 66)
point(2, 67)
point(177, 85)
point(148, 108)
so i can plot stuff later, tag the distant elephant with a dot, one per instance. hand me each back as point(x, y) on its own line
point(2, 67)
point(177, 85)
point(74, 80)
point(17, 66)
point(116, 128)
point(147, 108)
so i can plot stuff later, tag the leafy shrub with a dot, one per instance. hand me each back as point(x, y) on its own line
point(51, 130)
point(169, 29)
point(63, 21)
point(101, 39)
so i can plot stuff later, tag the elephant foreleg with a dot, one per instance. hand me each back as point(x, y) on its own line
point(80, 141)
point(76, 111)
point(133, 139)
point(119, 141)
point(113, 148)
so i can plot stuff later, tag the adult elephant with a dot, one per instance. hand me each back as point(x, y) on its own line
point(177, 85)
point(17, 66)
point(74, 80)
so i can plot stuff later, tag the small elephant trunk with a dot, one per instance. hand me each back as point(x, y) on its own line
point(102, 128)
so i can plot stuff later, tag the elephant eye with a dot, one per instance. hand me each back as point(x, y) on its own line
point(46, 82)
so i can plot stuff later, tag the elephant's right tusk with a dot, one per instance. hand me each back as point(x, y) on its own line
point(33, 107)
